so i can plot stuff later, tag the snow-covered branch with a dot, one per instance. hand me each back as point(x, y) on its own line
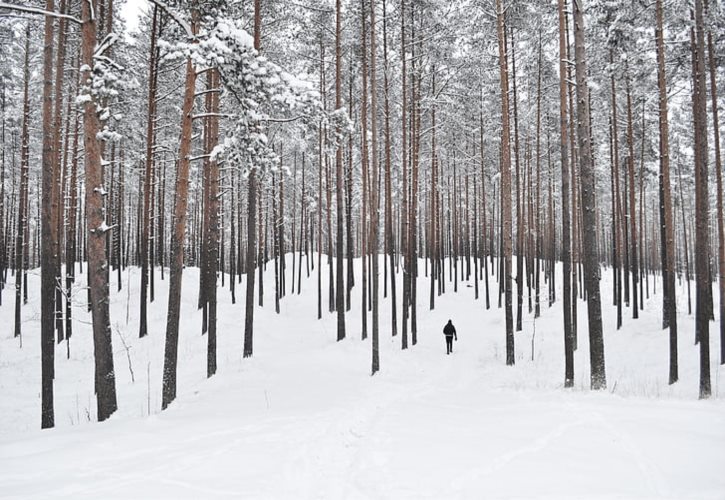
point(36, 10)
point(175, 16)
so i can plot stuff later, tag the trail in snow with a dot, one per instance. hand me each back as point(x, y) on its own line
point(303, 418)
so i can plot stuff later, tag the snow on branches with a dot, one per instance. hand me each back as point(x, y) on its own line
point(102, 87)
point(263, 92)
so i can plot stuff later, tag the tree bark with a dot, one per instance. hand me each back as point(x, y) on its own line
point(252, 220)
point(588, 180)
point(176, 259)
point(702, 212)
point(48, 232)
point(149, 173)
point(666, 225)
point(505, 183)
point(97, 228)
point(340, 277)
point(565, 214)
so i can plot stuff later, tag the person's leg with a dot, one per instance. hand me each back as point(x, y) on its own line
point(449, 344)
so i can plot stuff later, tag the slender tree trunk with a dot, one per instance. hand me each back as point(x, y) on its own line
point(375, 194)
point(212, 227)
point(718, 176)
point(702, 217)
point(632, 214)
point(537, 306)
point(176, 260)
point(340, 297)
point(519, 217)
point(404, 212)
point(666, 225)
point(364, 126)
point(48, 232)
point(96, 224)
point(71, 239)
point(389, 237)
point(143, 326)
point(505, 182)
point(20, 238)
point(588, 179)
point(565, 213)
point(620, 216)
point(348, 206)
point(251, 221)
point(56, 192)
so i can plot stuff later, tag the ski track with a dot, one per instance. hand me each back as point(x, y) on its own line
point(303, 418)
point(651, 474)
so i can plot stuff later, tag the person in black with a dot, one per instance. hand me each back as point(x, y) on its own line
point(450, 332)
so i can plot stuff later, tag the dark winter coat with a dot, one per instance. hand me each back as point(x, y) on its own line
point(449, 330)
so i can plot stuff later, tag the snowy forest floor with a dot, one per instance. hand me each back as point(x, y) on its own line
point(303, 418)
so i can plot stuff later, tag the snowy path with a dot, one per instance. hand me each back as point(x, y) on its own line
point(304, 419)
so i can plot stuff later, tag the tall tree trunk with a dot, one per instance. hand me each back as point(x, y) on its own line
point(176, 259)
point(415, 156)
point(375, 193)
point(212, 227)
point(620, 219)
point(252, 220)
point(588, 179)
point(404, 154)
point(505, 182)
point(71, 238)
point(538, 243)
point(57, 167)
point(632, 213)
point(519, 217)
point(718, 176)
point(340, 297)
point(348, 206)
point(20, 239)
point(389, 238)
point(48, 232)
point(702, 211)
point(143, 326)
point(565, 214)
point(97, 228)
point(666, 216)
point(364, 127)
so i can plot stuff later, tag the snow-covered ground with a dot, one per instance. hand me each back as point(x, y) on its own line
point(303, 418)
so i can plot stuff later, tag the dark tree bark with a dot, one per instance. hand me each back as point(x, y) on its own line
point(340, 276)
point(176, 259)
point(97, 228)
point(252, 220)
point(702, 212)
point(56, 193)
point(632, 213)
point(519, 209)
point(389, 237)
point(565, 223)
point(718, 177)
point(588, 179)
point(505, 183)
point(20, 239)
point(212, 227)
point(364, 208)
point(404, 211)
point(375, 195)
point(620, 219)
point(666, 224)
point(149, 173)
point(48, 233)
